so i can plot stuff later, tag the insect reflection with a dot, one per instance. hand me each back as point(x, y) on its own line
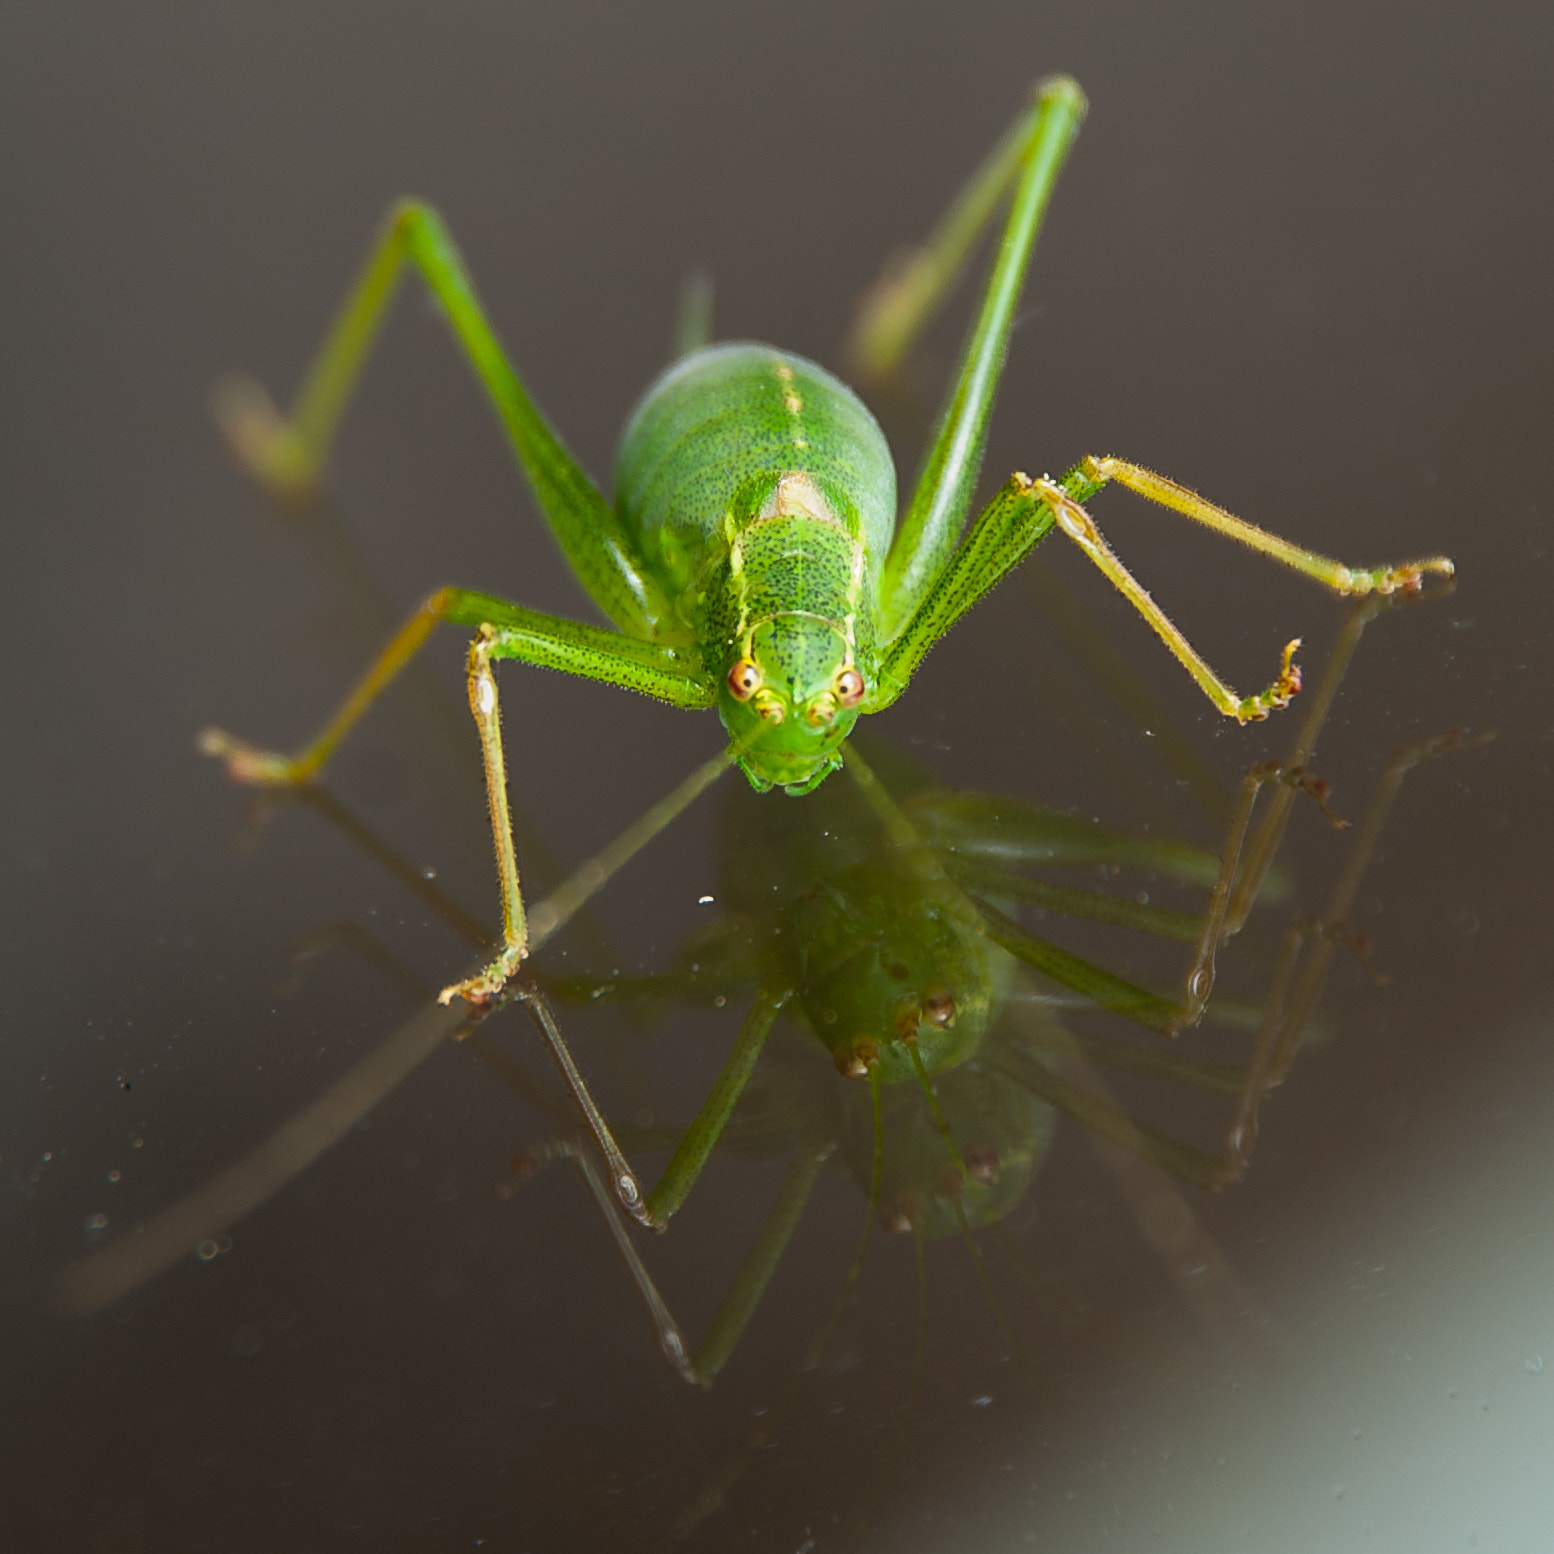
point(879, 916)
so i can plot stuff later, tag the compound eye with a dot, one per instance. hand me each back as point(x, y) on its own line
point(850, 687)
point(744, 679)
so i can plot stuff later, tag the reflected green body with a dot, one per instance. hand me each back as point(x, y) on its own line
point(899, 973)
point(881, 951)
point(882, 955)
point(761, 496)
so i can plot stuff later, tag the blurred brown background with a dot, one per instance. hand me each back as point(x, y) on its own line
point(1298, 260)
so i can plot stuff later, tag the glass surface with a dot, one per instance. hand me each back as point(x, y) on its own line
point(1298, 260)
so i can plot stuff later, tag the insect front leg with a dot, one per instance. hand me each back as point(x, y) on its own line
point(490, 982)
point(510, 631)
point(486, 707)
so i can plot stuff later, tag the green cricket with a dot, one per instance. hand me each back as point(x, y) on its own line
point(753, 559)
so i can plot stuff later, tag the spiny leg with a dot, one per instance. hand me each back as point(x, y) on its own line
point(492, 981)
point(1024, 511)
point(486, 707)
point(1078, 526)
point(1407, 576)
point(1064, 501)
point(531, 637)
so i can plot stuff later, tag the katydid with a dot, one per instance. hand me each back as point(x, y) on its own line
point(753, 558)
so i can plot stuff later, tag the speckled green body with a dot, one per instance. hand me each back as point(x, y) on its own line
point(761, 495)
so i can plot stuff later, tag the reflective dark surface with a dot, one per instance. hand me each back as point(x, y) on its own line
point(1298, 261)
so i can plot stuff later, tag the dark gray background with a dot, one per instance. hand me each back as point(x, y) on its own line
point(1299, 260)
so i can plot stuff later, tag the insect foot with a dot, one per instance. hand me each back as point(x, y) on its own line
point(1254, 709)
point(247, 763)
point(1408, 577)
point(263, 440)
point(487, 985)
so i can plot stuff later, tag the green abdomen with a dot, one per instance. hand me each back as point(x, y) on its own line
point(728, 416)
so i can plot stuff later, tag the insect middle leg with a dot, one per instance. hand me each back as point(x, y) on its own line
point(503, 630)
point(1025, 511)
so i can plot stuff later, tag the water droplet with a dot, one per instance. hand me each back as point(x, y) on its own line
point(982, 1402)
point(95, 1222)
point(115, 1175)
point(704, 901)
point(428, 873)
